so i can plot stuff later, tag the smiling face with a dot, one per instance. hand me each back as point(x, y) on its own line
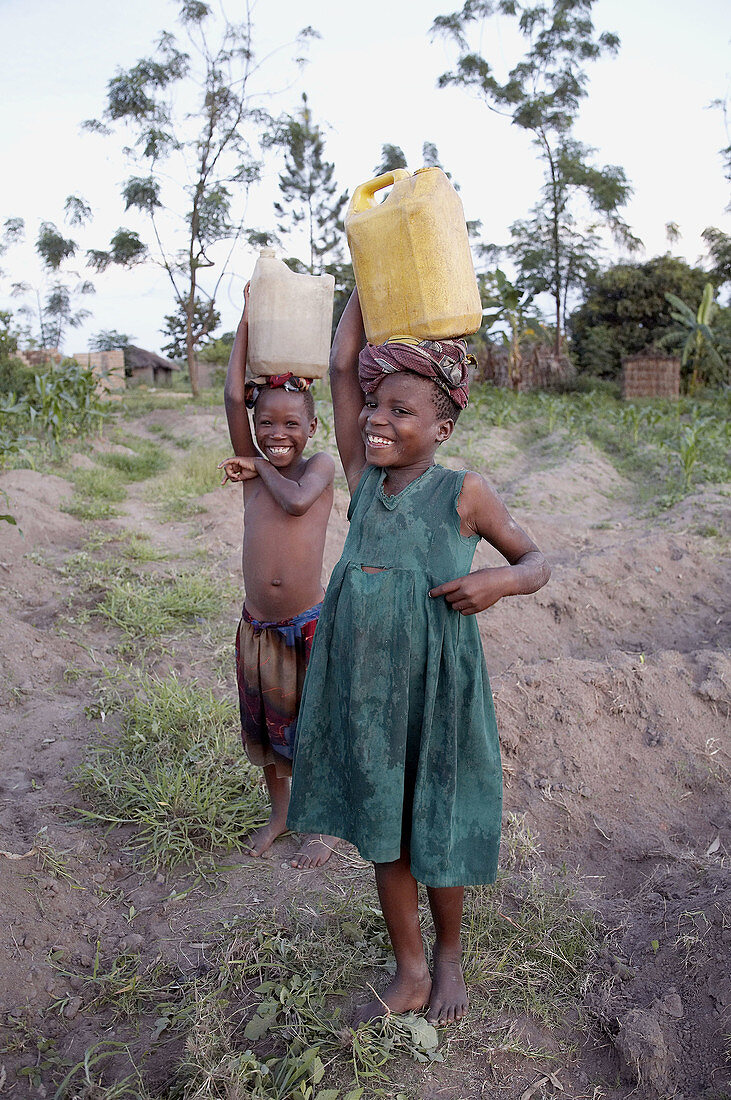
point(282, 426)
point(399, 423)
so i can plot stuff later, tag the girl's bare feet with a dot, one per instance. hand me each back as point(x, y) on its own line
point(448, 1001)
point(262, 839)
point(408, 992)
point(315, 851)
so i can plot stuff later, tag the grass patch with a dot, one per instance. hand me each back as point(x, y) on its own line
point(125, 984)
point(139, 547)
point(527, 948)
point(182, 441)
point(177, 775)
point(83, 508)
point(299, 973)
point(195, 475)
point(264, 1020)
point(150, 606)
point(92, 571)
point(139, 402)
point(147, 459)
point(133, 545)
point(98, 484)
point(96, 491)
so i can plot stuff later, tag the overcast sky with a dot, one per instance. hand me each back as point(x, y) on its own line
point(371, 79)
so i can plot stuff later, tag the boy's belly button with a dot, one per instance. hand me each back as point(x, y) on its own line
point(276, 582)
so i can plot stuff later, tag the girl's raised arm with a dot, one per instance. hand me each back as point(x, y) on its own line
point(346, 392)
point(233, 395)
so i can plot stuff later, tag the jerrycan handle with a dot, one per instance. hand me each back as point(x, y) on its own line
point(363, 194)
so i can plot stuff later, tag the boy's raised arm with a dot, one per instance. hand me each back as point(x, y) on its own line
point(346, 392)
point(233, 394)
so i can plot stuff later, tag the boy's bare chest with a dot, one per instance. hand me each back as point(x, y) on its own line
point(262, 513)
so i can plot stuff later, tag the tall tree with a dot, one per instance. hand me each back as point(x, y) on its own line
point(207, 148)
point(205, 320)
point(57, 298)
point(310, 194)
point(392, 156)
point(109, 340)
point(541, 94)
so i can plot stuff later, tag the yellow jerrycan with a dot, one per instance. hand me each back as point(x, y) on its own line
point(411, 258)
point(290, 320)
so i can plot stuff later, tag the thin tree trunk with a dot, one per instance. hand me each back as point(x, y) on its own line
point(189, 342)
point(555, 216)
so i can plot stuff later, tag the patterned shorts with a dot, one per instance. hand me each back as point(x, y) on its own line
point(271, 661)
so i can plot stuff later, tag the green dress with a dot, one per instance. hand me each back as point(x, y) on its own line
point(396, 738)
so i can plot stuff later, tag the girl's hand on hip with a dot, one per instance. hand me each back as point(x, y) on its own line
point(477, 591)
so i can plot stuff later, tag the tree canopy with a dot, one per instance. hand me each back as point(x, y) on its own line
point(625, 310)
point(53, 304)
point(557, 246)
point(310, 197)
point(193, 118)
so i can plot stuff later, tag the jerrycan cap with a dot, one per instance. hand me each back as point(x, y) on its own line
point(268, 253)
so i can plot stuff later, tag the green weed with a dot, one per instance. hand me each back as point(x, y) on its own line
point(50, 859)
point(134, 545)
point(65, 401)
point(89, 509)
point(84, 1080)
point(125, 985)
point(299, 975)
point(91, 571)
point(176, 774)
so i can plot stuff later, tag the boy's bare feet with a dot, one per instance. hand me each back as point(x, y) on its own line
point(408, 992)
point(262, 839)
point(448, 1001)
point(315, 851)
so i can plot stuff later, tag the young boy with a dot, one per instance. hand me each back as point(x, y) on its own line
point(287, 502)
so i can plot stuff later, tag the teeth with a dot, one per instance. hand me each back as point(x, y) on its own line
point(279, 450)
point(378, 440)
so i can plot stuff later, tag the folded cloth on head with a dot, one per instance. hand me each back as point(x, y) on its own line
point(288, 381)
point(443, 361)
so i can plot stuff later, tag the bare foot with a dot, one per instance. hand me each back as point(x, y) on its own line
point(262, 839)
point(315, 851)
point(408, 992)
point(449, 1000)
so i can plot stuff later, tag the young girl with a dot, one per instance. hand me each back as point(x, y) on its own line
point(397, 748)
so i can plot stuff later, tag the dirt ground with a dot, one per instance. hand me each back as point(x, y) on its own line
point(613, 690)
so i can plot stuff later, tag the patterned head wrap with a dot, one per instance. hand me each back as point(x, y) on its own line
point(292, 382)
point(444, 362)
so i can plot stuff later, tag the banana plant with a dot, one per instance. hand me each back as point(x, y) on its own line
point(512, 303)
point(700, 345)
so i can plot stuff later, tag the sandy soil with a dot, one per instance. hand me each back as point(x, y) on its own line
point(613, 692)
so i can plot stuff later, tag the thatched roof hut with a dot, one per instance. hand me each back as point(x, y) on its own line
point(146, 366)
